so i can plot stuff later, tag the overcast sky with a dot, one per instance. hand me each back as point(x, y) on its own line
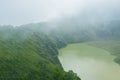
point(16, 12)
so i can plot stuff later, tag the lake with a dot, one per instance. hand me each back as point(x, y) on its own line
point(90, 63)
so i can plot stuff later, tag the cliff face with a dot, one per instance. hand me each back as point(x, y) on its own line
point(29, 54)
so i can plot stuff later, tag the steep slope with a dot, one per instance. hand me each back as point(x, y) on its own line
point(28, 54)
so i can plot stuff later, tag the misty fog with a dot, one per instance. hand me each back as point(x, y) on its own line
point(18, 12)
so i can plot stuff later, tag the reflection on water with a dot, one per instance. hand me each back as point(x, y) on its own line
point(89, 63)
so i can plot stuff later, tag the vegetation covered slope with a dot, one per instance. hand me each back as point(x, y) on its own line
point(29, 54)
point(104, 35)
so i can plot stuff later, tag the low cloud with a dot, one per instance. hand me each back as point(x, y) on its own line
point(18, 12)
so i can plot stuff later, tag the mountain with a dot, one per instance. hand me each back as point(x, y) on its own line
point(26, 53)
point(29, 52)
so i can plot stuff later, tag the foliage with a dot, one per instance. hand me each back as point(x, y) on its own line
point(29, 54)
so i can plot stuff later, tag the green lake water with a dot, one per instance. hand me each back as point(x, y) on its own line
point(90, 63)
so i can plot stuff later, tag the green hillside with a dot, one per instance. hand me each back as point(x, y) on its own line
point(29, 54)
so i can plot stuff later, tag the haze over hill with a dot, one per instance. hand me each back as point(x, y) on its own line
point(30, 51)
point(32, 32)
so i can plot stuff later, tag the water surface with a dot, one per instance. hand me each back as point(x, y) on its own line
point(90, 63)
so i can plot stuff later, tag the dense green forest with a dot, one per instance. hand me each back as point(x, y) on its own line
point(26, 53)
point(29, 52)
